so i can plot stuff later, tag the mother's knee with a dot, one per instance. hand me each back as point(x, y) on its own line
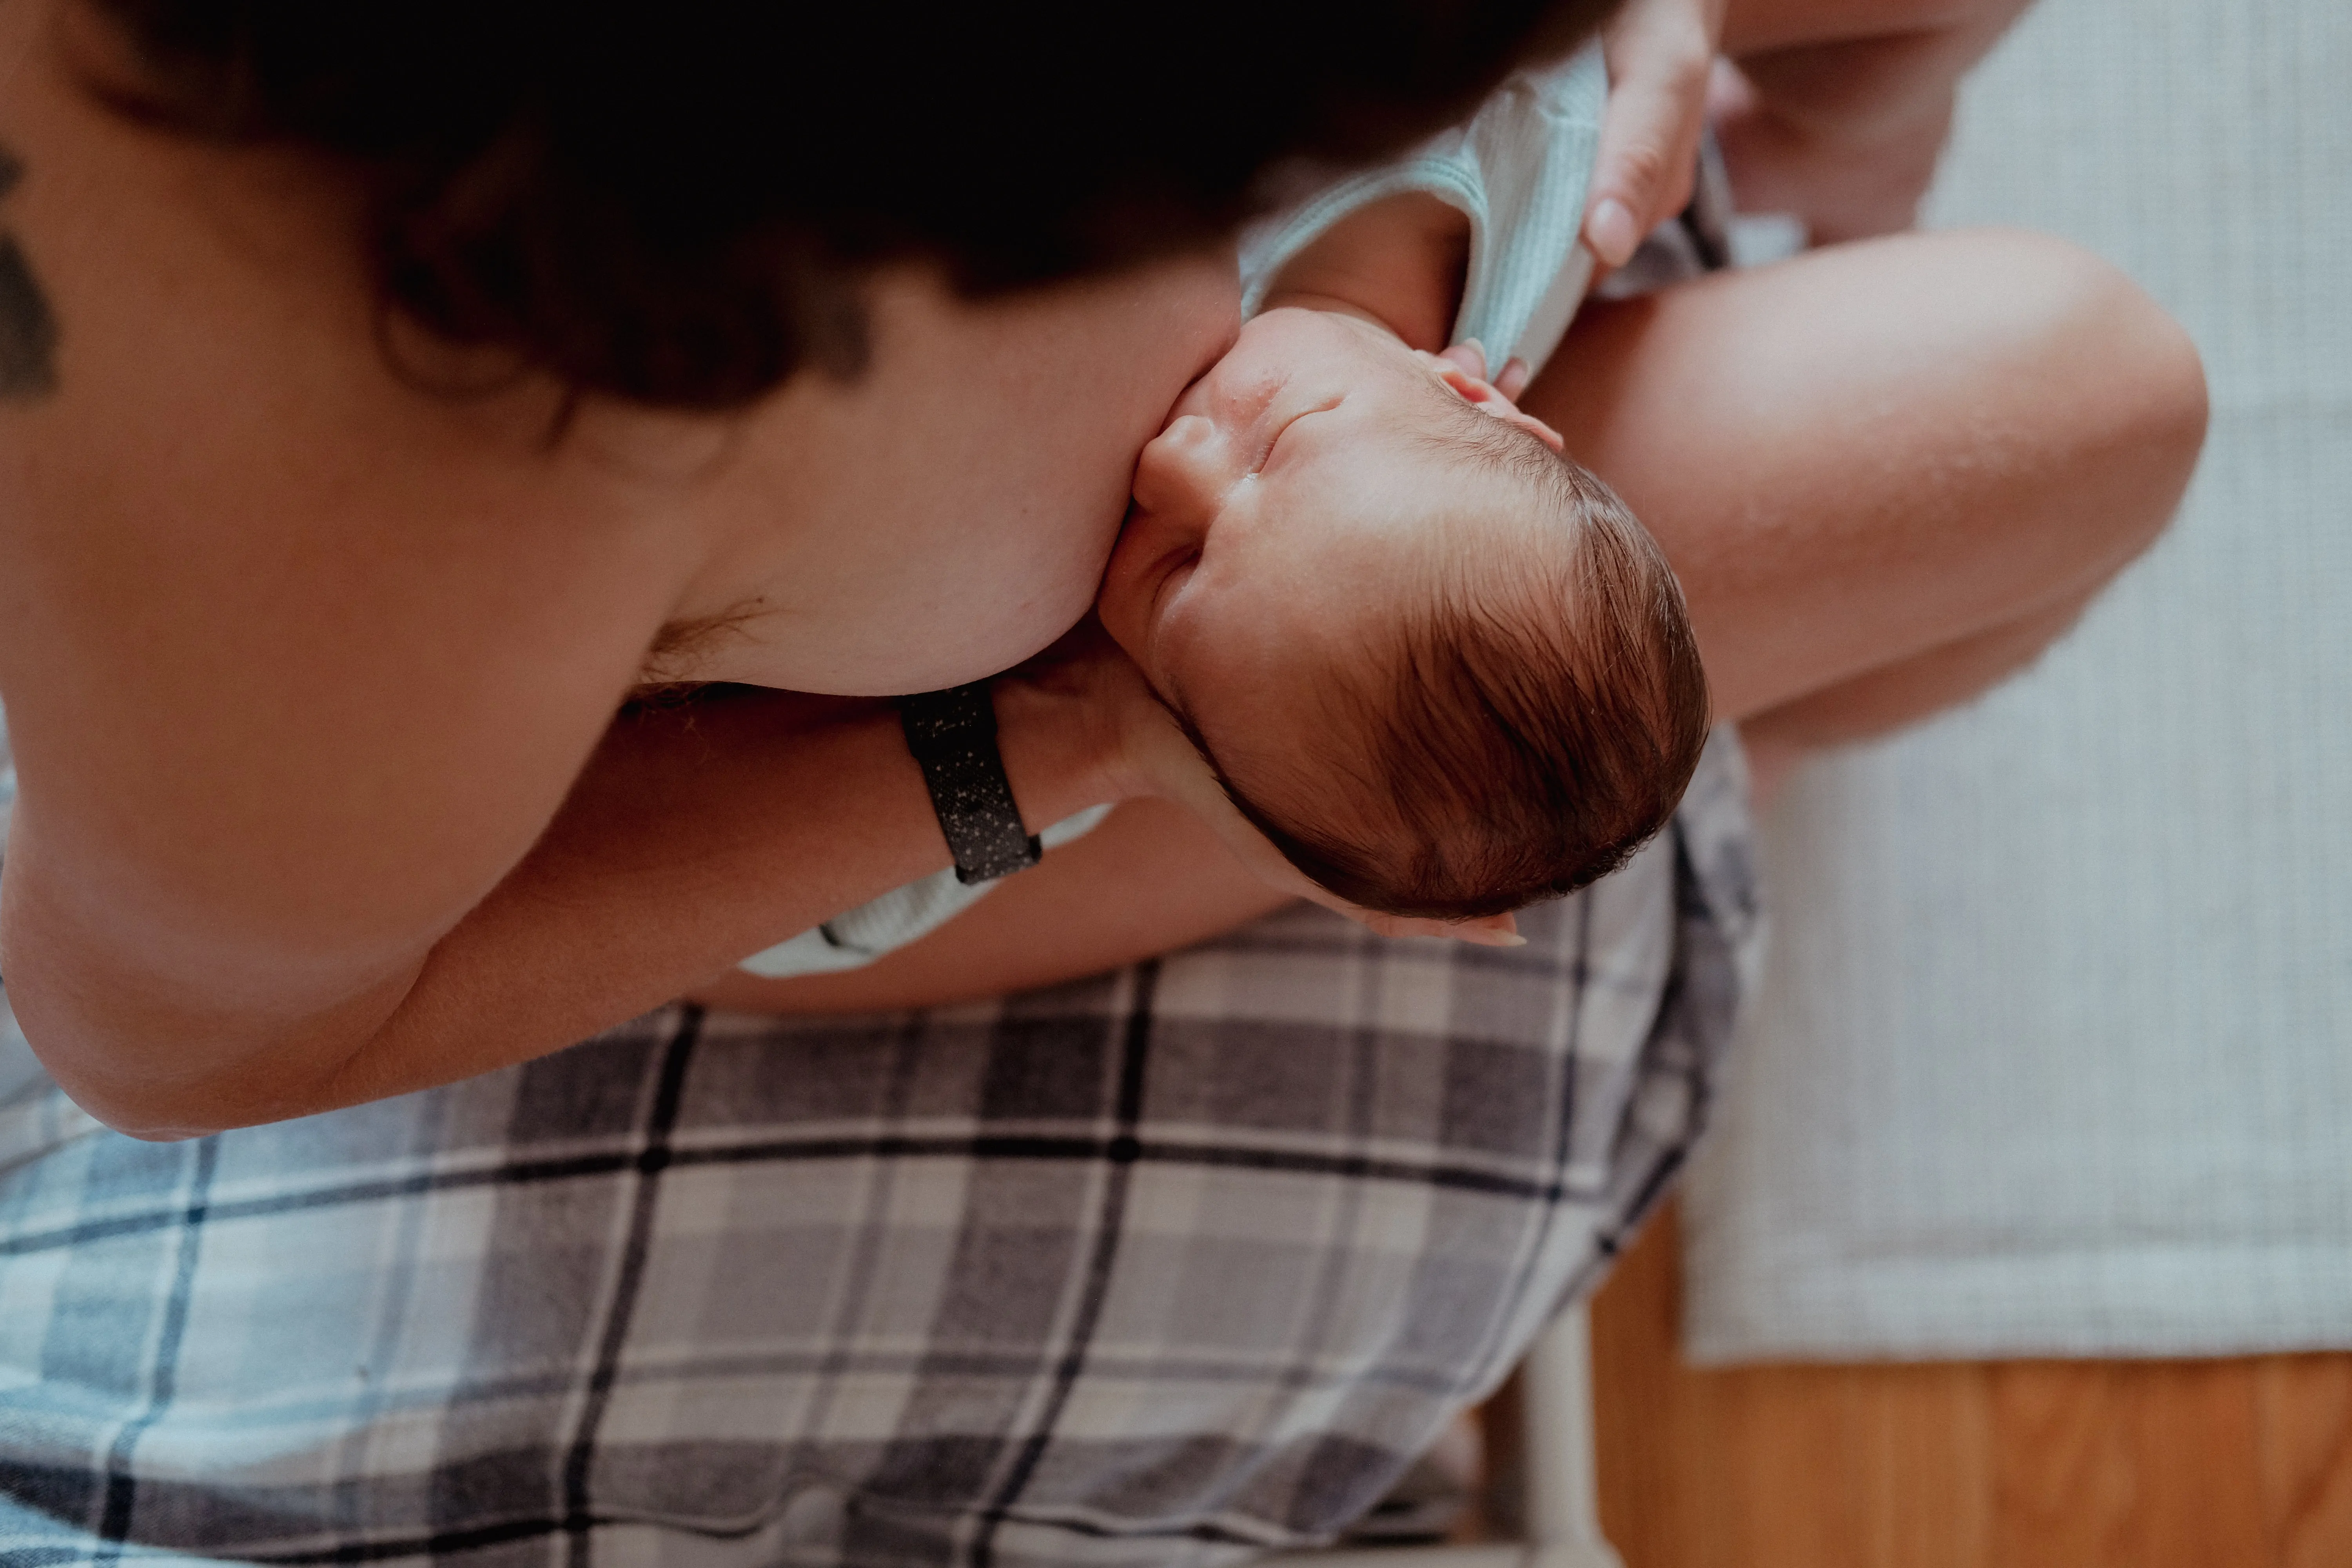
point(2112, 387)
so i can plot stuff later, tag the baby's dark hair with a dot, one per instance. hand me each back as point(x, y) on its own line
point(1530, 727)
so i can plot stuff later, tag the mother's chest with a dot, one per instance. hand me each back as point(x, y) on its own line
point(948, 513)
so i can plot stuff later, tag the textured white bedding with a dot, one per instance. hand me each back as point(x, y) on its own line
point(2055, 1054)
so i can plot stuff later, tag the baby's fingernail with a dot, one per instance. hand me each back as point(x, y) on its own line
point(1614, 231)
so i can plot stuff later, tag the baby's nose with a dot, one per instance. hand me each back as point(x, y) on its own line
point(1181, 471)
point(1189, 433)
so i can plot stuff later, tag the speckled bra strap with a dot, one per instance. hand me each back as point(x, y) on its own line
point(952, 734)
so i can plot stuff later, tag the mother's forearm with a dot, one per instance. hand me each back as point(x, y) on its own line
point(698, 836)
point(1152, 878)
point(695, 836)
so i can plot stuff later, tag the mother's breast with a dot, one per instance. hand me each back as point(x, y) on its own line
point(949, 513)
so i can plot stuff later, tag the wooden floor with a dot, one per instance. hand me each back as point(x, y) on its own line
point(2210, 1464)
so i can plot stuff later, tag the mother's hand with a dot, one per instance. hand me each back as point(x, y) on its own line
point(1659, 53)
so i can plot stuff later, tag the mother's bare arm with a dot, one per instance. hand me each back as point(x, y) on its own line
point(304, 826)
point(1152, 878)
point(303, 669)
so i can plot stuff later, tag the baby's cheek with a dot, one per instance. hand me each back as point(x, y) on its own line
point(1180, 668)
point(1123, 601)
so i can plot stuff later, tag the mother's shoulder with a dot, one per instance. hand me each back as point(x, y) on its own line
point(280, 619)
point(194, 361)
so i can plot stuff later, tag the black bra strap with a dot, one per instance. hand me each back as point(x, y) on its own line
point(952, 735)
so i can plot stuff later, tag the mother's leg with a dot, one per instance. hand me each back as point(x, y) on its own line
point(1888, 473)
point(1188, 1259)
point(1837, 109)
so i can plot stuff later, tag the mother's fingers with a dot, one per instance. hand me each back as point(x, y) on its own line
point(1658, 53)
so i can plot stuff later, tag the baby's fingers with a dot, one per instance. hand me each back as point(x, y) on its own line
point(1494, 931)
point(1468, 355)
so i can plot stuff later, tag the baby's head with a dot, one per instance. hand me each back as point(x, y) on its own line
point(1437, 664)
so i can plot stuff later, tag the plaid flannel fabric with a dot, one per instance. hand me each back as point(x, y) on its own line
point(1165, 1266)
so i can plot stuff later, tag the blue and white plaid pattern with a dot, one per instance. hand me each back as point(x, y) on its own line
point(1165, 1266)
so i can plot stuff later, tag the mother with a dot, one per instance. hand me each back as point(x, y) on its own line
point(321, 613)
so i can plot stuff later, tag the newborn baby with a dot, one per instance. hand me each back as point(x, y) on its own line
point(1437, 664)
point(1434, 665)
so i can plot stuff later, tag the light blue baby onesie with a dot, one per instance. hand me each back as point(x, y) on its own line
point(1518, 170)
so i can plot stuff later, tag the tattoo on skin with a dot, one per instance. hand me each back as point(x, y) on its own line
point(28, 329)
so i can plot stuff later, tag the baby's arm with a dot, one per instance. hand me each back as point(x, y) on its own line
point(1398, 262)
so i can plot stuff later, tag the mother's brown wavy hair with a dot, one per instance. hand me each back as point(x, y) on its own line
point(673, 201)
